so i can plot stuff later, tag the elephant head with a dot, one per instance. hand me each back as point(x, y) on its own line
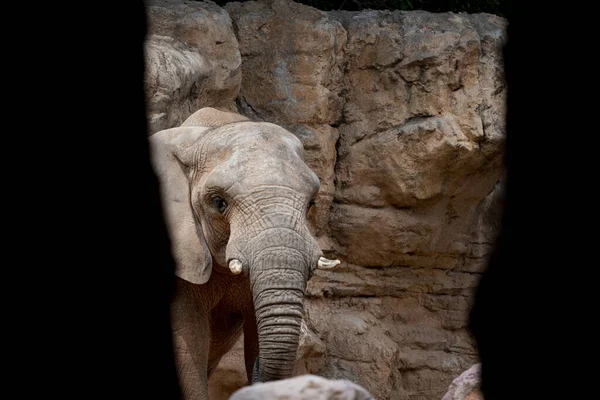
point(236, 194)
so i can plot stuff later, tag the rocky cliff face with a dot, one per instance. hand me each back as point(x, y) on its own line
point(193, 60)
point(402, 118)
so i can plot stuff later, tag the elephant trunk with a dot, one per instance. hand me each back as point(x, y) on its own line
point(278, 289)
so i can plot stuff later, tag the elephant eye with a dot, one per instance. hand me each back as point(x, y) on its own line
point(310, 205)
point(219, 204)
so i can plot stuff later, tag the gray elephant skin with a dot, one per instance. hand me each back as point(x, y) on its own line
point(235, 194)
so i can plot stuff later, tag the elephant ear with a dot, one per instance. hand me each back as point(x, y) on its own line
point(172, 156)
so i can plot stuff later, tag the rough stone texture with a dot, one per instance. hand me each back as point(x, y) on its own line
point(192, 60)
point(305, 387)
point(466, 386)
point(402, 118)
point(415, 157)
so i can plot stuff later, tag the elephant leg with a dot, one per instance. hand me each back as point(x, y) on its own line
point(250, 344)
point(191, 339)
point(226, 328)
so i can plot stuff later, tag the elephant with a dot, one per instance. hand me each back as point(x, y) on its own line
point(235, 195)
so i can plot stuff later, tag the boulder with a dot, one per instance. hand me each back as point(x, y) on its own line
point(304, 387)
point(466, 386)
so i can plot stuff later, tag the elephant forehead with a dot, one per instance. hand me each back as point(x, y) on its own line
point(259, 137)
point(251, 154)
point(245, 170)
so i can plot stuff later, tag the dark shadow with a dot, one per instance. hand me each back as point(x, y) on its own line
point(89, 244)
point(527, 304)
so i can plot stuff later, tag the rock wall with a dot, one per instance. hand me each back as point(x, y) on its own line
point(402, 118)
point(193, 60)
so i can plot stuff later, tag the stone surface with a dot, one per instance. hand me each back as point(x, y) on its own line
point(192, 60)
point(402, 118)
point(415, 156)
point(466, 386)
point(305, 387)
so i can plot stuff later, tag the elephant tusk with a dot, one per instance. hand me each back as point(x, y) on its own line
point(235, 266)
point(325, 263)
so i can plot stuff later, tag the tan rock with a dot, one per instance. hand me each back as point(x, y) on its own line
point(415, 154)
point(320, 155)
point(305, 387)
point(486, 222)
point(291, 56)
point(360, 351)
point(466, 386)
point(311, 351)
point(192, 60)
